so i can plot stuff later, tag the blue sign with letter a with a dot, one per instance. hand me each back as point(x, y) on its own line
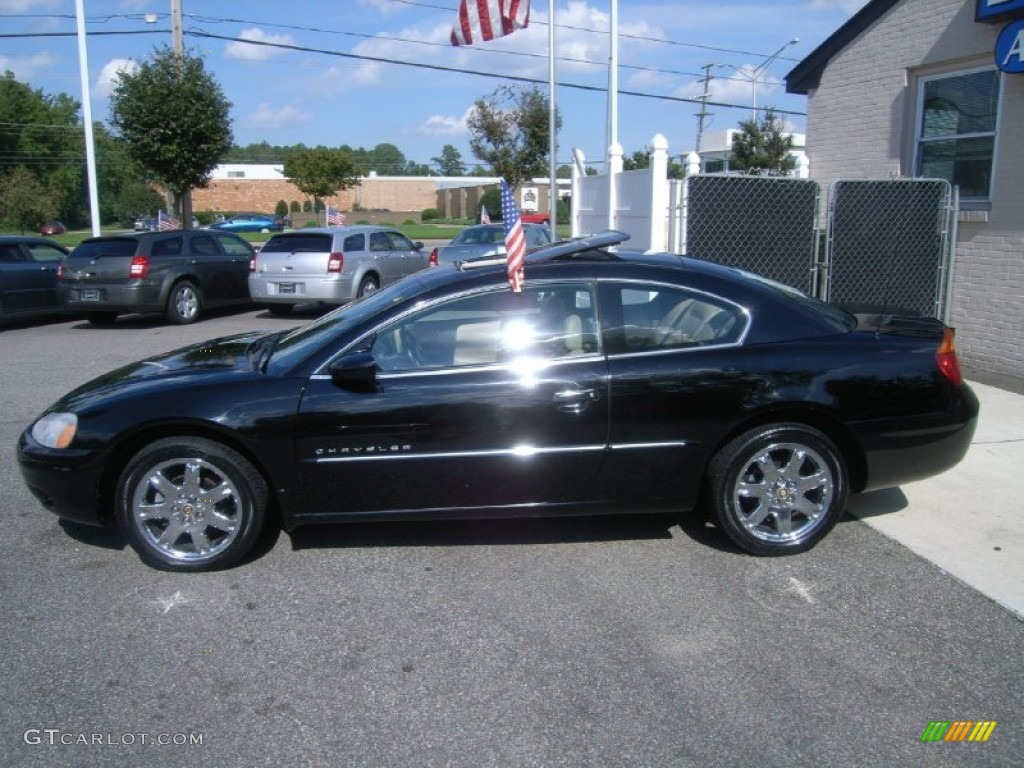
point(997, 10)
point(1010, 48)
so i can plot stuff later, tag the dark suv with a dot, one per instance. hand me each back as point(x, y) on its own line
point(179, 273)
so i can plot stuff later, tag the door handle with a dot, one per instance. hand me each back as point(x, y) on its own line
point(574, 400)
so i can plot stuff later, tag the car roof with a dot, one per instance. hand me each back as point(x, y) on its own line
point(353, 229)
point(8, 239)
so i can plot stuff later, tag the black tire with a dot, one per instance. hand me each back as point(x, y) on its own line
point(184, 303)
point(216, 514)
point(369, 284)
point(279, 310)
point(777, 489)
point(103, 319)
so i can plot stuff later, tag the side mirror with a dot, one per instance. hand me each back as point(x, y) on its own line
point(356, 372)
point(418, 245)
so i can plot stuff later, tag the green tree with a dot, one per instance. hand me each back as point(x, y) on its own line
point(510, 132)
point(43, 135)
point(450, 162)
point(24, 201)
point(175, 120)
point(320, 172)
point(762, 145)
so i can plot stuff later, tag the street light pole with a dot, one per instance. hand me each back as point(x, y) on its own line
point(756, 73)
point(90, 146)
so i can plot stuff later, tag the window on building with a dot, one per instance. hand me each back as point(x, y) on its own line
point(236, 174)
point(956, 138)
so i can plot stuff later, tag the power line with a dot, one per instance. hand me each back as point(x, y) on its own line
point(473, 72)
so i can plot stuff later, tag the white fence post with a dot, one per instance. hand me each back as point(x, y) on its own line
point(614, 170)
point(658, 232)
point(579, 172)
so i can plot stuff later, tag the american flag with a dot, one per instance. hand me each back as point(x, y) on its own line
point(485, 217)
point(488, 19)
point(335, 218)
point(515, 240)
point(165, 221)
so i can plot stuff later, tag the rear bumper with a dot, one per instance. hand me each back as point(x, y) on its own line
point(918, 447)
point(66, 482)
point(336, 289)
point(126, 297)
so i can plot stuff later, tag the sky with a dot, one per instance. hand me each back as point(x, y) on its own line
point(344, 77)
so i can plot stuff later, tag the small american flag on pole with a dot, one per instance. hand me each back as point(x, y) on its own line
point(485, 217)
point(515, 240)
point(335, 218)
point(480, 20)
point(165, 221)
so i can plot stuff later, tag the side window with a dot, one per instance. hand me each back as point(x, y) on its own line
point(10, 254)
point(355, 243)
point(203, 245)
point(546, 322)
point(46, 253)
point(170, 246)
point(400, 242)
point(659, 318)
point(235, 247)
point(379, 242)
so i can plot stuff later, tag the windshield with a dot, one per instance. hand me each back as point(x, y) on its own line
point(298, 344)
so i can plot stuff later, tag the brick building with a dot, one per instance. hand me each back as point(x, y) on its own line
point(935, 88)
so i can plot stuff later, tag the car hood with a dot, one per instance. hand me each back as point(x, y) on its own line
point(225, 356)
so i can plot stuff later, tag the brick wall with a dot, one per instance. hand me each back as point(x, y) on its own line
point(861, 123)
point(384, 193)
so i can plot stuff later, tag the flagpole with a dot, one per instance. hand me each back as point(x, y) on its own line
point(613, 111)
point(552, 125)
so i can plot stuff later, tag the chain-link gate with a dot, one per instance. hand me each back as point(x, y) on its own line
point(889, 245)
point(763, 224)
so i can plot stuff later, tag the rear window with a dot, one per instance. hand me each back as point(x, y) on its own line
point(92, 249)
point(293, 243)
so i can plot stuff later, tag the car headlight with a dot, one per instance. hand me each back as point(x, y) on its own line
point(55, 430)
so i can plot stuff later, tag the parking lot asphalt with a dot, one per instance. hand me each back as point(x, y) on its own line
point(624, 641)
point(966, 521)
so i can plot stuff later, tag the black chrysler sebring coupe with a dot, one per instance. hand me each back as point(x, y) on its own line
point(613, 382)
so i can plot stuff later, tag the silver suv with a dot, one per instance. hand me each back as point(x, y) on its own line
point(331, 265)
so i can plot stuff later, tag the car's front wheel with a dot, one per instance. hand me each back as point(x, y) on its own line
point(191, 504)
point(778, 489)
point(184, 303)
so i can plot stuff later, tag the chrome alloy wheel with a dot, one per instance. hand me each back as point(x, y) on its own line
point(187, 508)
point(783, 492)
point(186, 302)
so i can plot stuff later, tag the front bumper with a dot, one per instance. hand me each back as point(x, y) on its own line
point(66, 482)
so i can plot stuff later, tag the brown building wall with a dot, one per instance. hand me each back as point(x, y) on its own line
point(412, 194)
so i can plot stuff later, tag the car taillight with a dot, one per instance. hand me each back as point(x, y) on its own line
point(336, 262)
point(139, 267)
point(434, 260)
point(945, 356)
point(252, 263)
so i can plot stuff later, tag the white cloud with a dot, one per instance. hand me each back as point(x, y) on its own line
point(267, 117)
point(445, 125)
point(104, 84)
point(25, 68)
point(729, 86)
point(247, 52)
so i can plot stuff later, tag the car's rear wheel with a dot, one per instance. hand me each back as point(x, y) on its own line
point(101, 318)
point(778, 489)
point(184, 303)
point(369, 285)
point(279, 310)
point(191, 504)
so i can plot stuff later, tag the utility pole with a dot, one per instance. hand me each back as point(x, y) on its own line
point(703, 98)
point(178, 44)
